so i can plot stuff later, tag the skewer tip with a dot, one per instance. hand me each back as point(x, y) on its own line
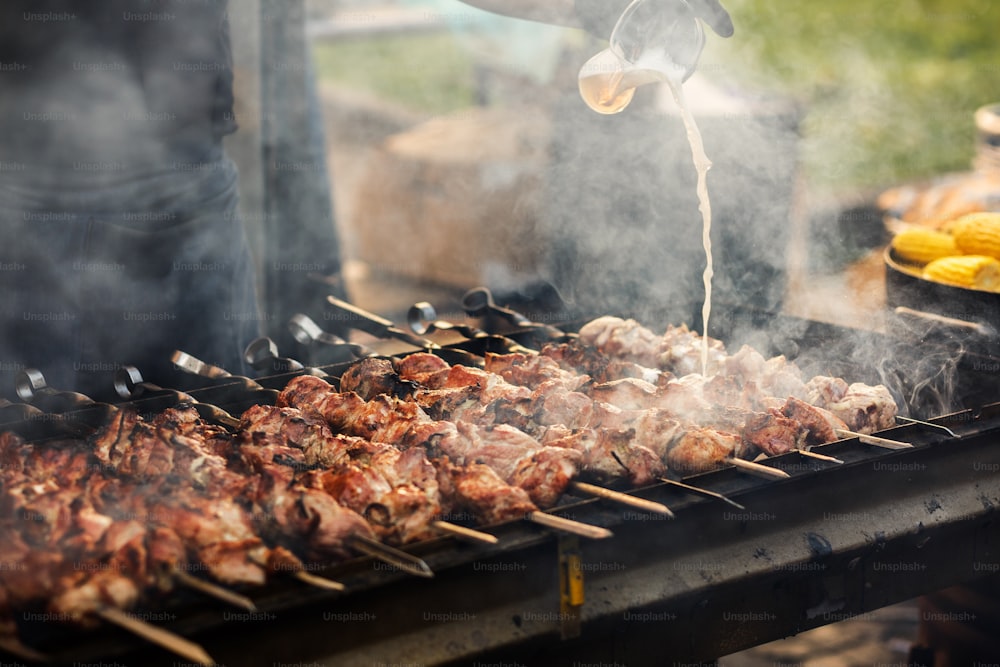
point(319, 582)
point(569, 526)
point(819, 457)
point(163, 638)
point(463, 533)
point(759, 469)
point(875, 440)
point(622, 498)
point(214, 590)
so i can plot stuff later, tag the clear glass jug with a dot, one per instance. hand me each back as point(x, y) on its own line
point(653, 41)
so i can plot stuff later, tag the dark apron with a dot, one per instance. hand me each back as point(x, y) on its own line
point(126, 273)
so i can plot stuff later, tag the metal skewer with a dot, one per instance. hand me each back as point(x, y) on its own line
point(947, 430)
point(702, 492)
point(213, 590)
point(568, 525)
point(621, 498)
point(422, 320)
point(195, 366)
point(129, 384)
point(873, 440)
point(377, 326)
point(163, 638)
point(478, 302)
point(391, 556)
point(758, 469)
point(463, 533)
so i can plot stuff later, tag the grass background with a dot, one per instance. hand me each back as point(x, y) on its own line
point(427, 72)
point(887, 87)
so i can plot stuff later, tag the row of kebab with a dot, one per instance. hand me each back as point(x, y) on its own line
point(395, 451)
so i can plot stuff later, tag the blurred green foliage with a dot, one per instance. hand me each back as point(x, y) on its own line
point(427, 72)
point(888, 87)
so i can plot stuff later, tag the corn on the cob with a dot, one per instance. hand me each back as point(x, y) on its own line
point(978, 234)
point(924, 245)
point(972, 271)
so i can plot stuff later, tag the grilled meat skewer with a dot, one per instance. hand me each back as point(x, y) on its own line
point(553, 409)
point(485, 401)
point(473, 489)
point(108, 569)
point(863, 407)
point(544, 472)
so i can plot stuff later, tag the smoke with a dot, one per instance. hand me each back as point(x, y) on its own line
point(622, 223)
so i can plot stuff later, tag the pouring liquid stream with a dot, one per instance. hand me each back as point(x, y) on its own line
point(608, 88)
point(701, 164)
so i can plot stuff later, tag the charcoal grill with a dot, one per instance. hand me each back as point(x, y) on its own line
point(830, 542)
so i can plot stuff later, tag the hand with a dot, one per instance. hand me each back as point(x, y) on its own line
point(599, 16)
point(714, 14)
point(555, 12)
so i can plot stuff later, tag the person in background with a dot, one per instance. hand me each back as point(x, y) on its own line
point(121, 238)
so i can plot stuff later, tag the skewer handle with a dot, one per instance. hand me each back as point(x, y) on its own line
point(319, 582)
point(569, 526)
point(14, 646)
point(818, 457)
point(885, 443)
point(622, 498)
point(163, 638)
point(214, 590)
point(759, 470)
point(463, 533)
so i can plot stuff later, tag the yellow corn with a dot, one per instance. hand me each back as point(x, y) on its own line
point(972, 271)
point(924, 245)
point(978, 234)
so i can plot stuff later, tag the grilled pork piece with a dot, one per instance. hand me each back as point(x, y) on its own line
point(608, 454)
point(477, 490)
point(618, 338)
point(677, 351)
point(421, 367)
point(821, 425)
point(771, 377)
point(703, 449)
point(576, 357)
point(864, 408)
point(772, 433)
point(373, 376)
point(293, 428)
point(531, 370)
point(116, 580)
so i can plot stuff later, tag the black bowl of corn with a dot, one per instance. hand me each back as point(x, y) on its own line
point(953, 271)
